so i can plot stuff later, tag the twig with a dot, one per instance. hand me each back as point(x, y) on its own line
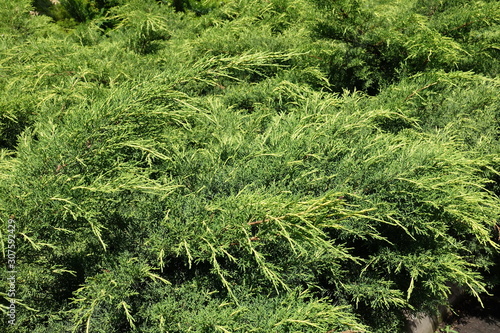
point(460, 27)
point(258, 222)
point(419, 90)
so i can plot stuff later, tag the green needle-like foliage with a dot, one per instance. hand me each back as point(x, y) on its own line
point(246, 166)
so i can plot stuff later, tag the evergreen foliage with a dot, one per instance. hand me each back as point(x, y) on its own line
point(247, 165)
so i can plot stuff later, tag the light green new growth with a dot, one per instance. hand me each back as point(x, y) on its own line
point(247, 165)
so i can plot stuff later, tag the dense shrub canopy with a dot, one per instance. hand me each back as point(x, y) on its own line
point(246, 165)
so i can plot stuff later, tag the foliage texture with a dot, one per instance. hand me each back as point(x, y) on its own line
point(247, 165)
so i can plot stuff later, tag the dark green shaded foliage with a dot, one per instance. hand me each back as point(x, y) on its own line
point(377, 41)
point(247, 166)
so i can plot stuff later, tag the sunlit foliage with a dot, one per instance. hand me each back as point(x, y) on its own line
point(247, 165)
